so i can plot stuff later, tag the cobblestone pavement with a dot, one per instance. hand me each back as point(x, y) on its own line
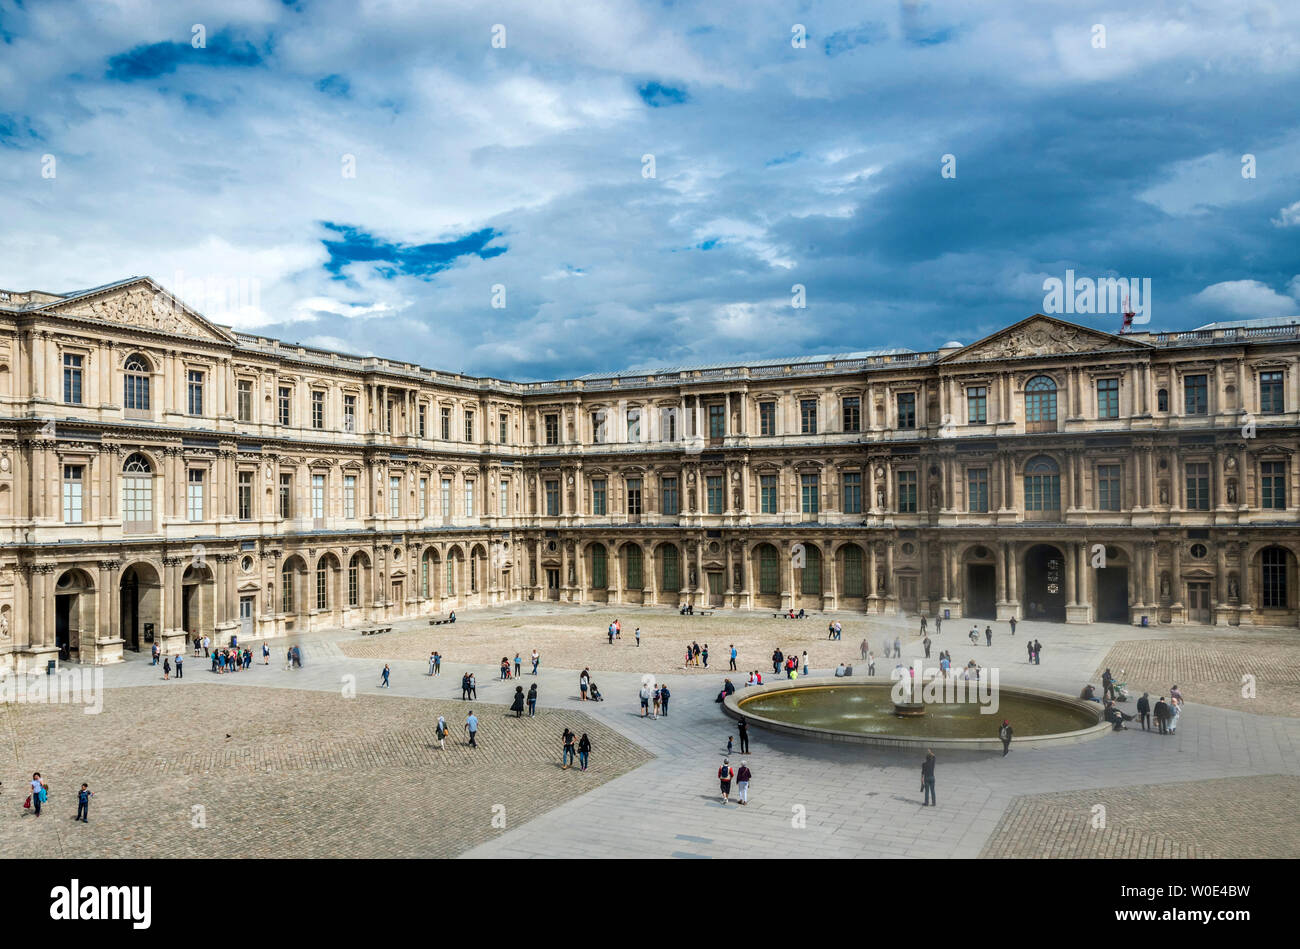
point(1229, 817)
point(1215, 671)
point(286, 773)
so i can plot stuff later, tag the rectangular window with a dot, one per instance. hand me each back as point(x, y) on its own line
point(1042, 492)
point(244, 496)
point(852, 410)
point(713, 491)
point(286, 496)
point(1196, 395)
point(388, 417)
point(852, 492)
point(349, 496)
point(424, 498)
point(1107, 398)
point(469, 426)
point(551, 426)
point(469, 498)
point(72, 493)
point(767, 418)
point(285, 404)
point(767, 494)
point(349, 413)
point(907, 492)
point(244, 400)
point(552, 499)
point(907, 410)
point(598, 497)
point(420, 414)
point(634, 425)
point(634, 497)
point(1198, 487)
point(1108, 497)
point(321, 586)
point(194, 494)
point(977, 490)
point(671, 501)
point(808, 416)
point(195, 392)
point(1271, 401)
point(505, 498)
point(1272, 483)
point(394, 496)
point(317, 409)
point(809, 485)
point(977, 405)
point(445, 416)
point(354, 585)
point(446, 497)
point(72, 378)
point(504, 429)
point(717, 421)
point(668, 424)
point(318, 496)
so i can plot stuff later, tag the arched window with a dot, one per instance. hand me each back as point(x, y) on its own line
point(1273, 561)
point(599, 568)
point(769, 570)
point(853, 585)
point(354, 581)
point(672, 569)
point(1162, 400)
point(1040, 400)
point(811, 582)
point(424, 576)
point(286, 588)
point(135, 384)
point(635, 578)
point(1042, 484)
point(322, 586)
point(137, 494)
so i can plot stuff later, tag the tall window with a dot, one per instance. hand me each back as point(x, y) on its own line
point(671, 503)
point(1042, 484)
point(1162, 400)
point(635, 576)
point(1107, 398)
point(713, 488)
point(72, 493)
point(444, 415)
point(808, 416)
point(285, 404)
point(977, 405)
point(1271, 401)
point(1196, 395)
point(318, 497)
point(769, 570)
point(135, 384)
point(1272, 485)
point(852, 492)
point(349, 496)
point(420, 423)
point(668, 424)
point(349, 413)
point(767, 494)
point(244, 496)
point(469, 425)
point(853, 581)
point(446, 497)
point(977, 490)
point(424, 577)
point(1198, 487)
point(717, 420)
point(1273, 561)
point(907, 492)
point(672, 568)
point(505, 498)
point(194, 391)
point(469, 498)
point(599, 573)
point(767, 418)
point(137, 494)
point(552, 498)
point(810, 580)
point(809, 485)
point(244, 399)
point(72, 378)
point(634, 498)
point(194, 494)
point(1040, 400)
point(504, 429)
point(322, 585)
point(851, 408)
point(907, 410)
point(551, 424)
point(286, 589)
point(286, 496)
point(354, 582)
point(424, 497)
point(1108, 488)
point(634, 425)
point(395, 496)
point(598, 426)
point(598, 497)
point(317, 409)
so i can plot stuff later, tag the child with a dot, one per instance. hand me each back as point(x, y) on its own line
point(83, 803)
point(729, 746)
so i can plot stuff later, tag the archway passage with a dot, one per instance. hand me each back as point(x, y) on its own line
point(981, 591)
point(1045, 584)
point(1112, 595)
point(140, 606)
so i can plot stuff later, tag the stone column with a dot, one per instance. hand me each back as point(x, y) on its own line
point(1244, 611)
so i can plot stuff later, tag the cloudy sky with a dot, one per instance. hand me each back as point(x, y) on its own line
point(642, 183)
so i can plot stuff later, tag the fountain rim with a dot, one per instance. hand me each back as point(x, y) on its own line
point(731, 707)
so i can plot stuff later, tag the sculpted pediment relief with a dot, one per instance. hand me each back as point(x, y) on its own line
point(1040, 336)
point(144, 305)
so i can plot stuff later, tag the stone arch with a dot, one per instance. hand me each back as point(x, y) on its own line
point(74, 611)
point(766, 570)
point(851, 565)
point(670, 570)
point(597, 566)
point(198, 601)
point(140, 603)
point(358, 588)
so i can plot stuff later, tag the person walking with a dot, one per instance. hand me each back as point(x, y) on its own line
point(566, 759)
point(898, 648)
point(519, 665)
point(1012, 623)
point(927, 779)
point(725, 774)
point(1005, 733)
point(440, 730)
point(179, 659)
point(532, 700)
point(1144, 711)
point(805, 662)
point(663, 699)
point(40, 790)
point(988, 635)
point(646, 695)
point(733, 657)
point(266, 654)
point(437, 664)
point(743, 777)
point(923, 629)
point(777, 659)
point(638, 637)
point(536, 660)
point(584, 751)
point(864, 648)
point(1162, 716)
point(704, 654)
point(167, 669)
point(1107, 685)
point(154, 650)
point(1175, 711)
point(584, 681)
point(871, 663)
point(1038, 653)
point(385, 674)
point(609, 631)
point(471, 726)
point(742, 729)
point(517, 706)
point(83, 804)
point(926, 643)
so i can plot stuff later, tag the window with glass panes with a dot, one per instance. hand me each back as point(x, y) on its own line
point(1198, 486)
point(713, 487)
point(424, 497)
point(1273, 564)
point(1271, 401)
point(286, 496)
point(598, 426)
point(244, 496)
point(1272, 485)
point(977, 490)
point(505, 498)
point(1107, 398)
point(635, 564)
point(322, 602)
point(769, 570)
point(808, 493)
point(1196, 395)
point(424, 576)
point(599, 567)
point(135, 385)
point(1108, 489)
point(445, 419)
point(907, 410)
point(810, 577)
point(1042, 485)
point(284, 404)
point(852, 492)
point(503, 429)
point(907, 492)
point(977, 405)
point(767, 494)
point(671, 505)
point(137, 494)
point(244, 400)
point(349, 496)
point(1040, 400)
point(420, 414)
point(317, 409)
point(552, 426)
point(195, 391)
point(72, 493)
point(286, 590)
point(552, 499)
point(717, 420)
point(318, 496)
point(469, 426)
point(808, 416)
point(446, 497)
point(634, 425)
point(354, 584)
point(72, 378)
point(853, 579)
point(767, 418)
point(851, 409)
point(598, 497)
point(634, 497)
point(672, 568)
point(469, 498)
point(194, 494)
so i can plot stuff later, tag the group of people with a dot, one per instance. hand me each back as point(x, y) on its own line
point(229, 660)
point(1166, 714)
point(587, 687)
point(789, 665)
point(1035, 649)
point(834, 630)
point(517, 705)
point(975, 635)
point(654, 699)
point(571, 745)
point(695, 655)
point(40, 793)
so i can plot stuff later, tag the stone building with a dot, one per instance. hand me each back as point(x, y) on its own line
point(162, 476)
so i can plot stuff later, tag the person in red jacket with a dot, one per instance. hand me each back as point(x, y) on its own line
point(725, 774)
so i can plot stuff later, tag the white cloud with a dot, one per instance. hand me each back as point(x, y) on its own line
point(1247, 299)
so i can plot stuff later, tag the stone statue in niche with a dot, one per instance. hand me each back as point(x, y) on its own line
point(1164, 494)
point(691, 496)
point(1232, 492)
point(693, 577)
point(573, 577)
point(1232, 588)
point(737, 504)
point(880, 496)
point(880, 581)
point(934, 497)
point(1164, 585)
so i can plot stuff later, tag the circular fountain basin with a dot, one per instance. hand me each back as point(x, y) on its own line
point(863, 711)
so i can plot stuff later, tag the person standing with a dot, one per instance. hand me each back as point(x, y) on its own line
point(532, 700)
point(536, 660)
point(1012, 623)
point(926, 643)
point(645, 700)
point(1038, 653)
point(864, 648)
point(179, 659)
point(266, 654)
point(584, 681)
point(440, 730)
point(725, 774)
point(1107, 685)
point(1144, 711)
point(609, 631)
point(167, 668)
point(743, 777)
point(519, 665)
point(464, 687)
point(733, 657)
point(704, 654)
point(566, 759)
point(927, 779)
point(777, 658)
point(83, 804)
point(805, 662)
point(584, 751)
point(471, 726)
point(742, 728)
point(871, 663)
point(517, 706)
point(1175, 710)
point(437, 664)
point(39, 791)
point(473, 686)
point(153, 652)
point(638, 637)
point(988, 635)
point(898, 648)
point(431, 664)
point(1030, 647)
point(663, 699)
point(923, 628)
point(385, 673)
point(1005, 733)
point(207, 645)
point(1162, 716)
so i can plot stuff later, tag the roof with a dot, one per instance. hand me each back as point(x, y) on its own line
point(1252, 324)
point(751, 363)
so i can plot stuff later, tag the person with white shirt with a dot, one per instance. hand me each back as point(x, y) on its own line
point(839, 671)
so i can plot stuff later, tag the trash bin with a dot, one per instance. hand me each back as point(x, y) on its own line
point(1145, 621)
point(947, 614)
point(49, 667)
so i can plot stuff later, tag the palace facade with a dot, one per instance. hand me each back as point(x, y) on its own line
point(163, 476)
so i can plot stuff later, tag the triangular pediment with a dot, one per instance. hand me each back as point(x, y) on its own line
point(1040, 335)
point(139, 303)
